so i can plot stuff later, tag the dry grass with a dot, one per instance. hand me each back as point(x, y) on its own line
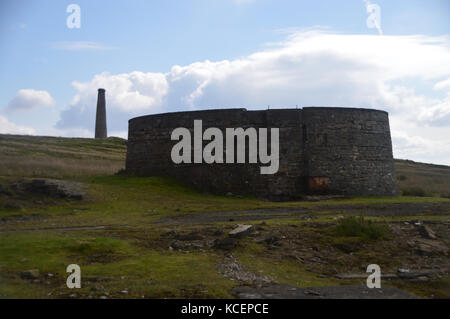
point(59, 168)
point(36, 156)
point(433, 180)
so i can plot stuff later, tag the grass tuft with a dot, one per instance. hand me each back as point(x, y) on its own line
point(360, 227)
point(414, 191)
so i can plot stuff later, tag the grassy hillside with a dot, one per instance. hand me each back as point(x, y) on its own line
point(421, 179)
point(154, 238)
point(75, 158)
point(57, 157)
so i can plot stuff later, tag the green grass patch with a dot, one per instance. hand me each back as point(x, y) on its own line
point(50, 251)
point(143, 272)
point(286, 271)
point(360, 227)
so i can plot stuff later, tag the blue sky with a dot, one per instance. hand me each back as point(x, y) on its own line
point(158, 56)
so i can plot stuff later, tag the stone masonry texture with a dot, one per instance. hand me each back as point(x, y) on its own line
point(323, 150)
point(100, 121)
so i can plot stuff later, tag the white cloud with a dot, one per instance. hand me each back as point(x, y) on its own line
point(442, 85)
point(127, 95)
point(81, 46)
point(27, 99)
point(7, 127)
point(419, 143)
point(135, 91)
point(308, 68)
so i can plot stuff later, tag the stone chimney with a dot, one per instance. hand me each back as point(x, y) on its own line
point(100, 122)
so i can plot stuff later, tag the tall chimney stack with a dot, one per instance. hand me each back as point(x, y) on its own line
point(100, 122)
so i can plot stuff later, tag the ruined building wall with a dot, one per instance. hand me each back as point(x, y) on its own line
point(352, 148)
point(322, 150)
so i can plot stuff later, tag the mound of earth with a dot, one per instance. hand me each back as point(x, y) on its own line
point(50, 187)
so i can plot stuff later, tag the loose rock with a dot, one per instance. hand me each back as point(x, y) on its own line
point(177, 245)
point(169, 234)
point(241, 231)
point(426, 232)
point(190, 236)
point(30, 274)
point(225, 243)
point(51, 187)
point(272, 240)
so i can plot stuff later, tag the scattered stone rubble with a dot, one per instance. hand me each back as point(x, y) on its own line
point(234, 271)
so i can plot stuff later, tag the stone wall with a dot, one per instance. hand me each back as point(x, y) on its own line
point(352, 147)
point(322, 150)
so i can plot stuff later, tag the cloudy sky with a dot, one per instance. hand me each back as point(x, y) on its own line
point(170, 55)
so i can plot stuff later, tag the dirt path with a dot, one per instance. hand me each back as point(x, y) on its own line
point(261, 287)
point(52, 229)
point(256, 214)
point(282, 291)
point(397, 209)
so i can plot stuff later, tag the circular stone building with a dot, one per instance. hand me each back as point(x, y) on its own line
point(322, 150)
